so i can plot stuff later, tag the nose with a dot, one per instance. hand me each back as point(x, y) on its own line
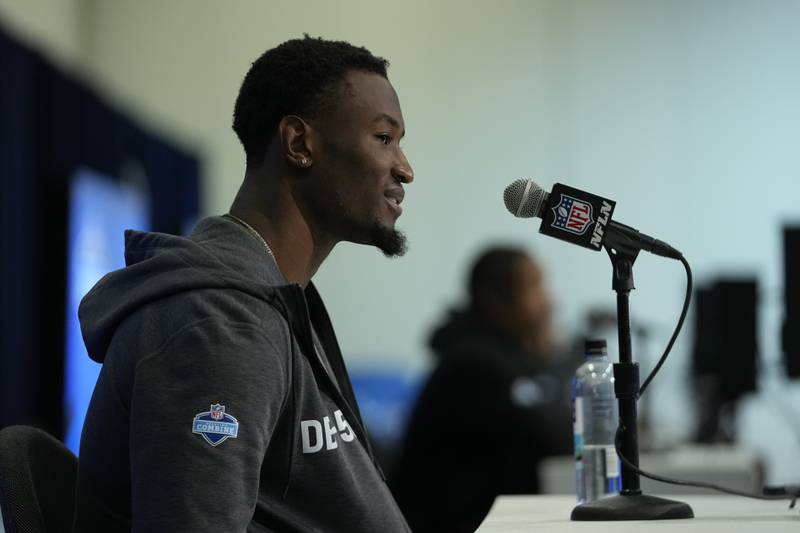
point(401, 171)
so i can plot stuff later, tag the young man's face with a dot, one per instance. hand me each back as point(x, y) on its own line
point(530, 308)
point(359, 167)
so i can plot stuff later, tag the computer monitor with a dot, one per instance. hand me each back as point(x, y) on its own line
point(101, 208)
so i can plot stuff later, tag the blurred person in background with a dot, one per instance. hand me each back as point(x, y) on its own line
point(495, 404)
point(223, 403)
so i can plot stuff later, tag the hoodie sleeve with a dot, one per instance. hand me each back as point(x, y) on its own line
point(203, 409)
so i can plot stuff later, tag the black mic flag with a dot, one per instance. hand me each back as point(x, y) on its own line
point(577, 216)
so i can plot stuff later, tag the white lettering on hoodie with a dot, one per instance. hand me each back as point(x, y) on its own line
point(315, 434)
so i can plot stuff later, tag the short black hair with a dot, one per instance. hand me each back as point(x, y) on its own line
point(493, 275)
point(300, 76)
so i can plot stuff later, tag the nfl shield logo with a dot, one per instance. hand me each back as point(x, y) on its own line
point(215, 425)
point(572, 215)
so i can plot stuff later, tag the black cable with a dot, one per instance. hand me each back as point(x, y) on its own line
point(789, 494)
point(687, 299)
point(700, 484)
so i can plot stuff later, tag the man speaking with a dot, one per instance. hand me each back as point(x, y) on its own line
point(223, 403)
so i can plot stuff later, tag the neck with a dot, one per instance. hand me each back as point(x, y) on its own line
point(267, 204)
point(537, 341)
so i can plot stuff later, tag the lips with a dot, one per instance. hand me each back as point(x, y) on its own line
point(394, 197)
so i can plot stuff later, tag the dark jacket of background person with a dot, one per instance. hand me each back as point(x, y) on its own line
point(489, 412)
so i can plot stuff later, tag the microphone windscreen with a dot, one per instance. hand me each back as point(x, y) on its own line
point(524, 198)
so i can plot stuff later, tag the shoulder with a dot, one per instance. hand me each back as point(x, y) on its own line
point(214, 352)
point(223, 304)
point(205, 321)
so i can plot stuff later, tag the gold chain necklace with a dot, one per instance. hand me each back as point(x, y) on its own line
point(253, 231)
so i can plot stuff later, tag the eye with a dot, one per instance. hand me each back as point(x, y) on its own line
point(384, 138)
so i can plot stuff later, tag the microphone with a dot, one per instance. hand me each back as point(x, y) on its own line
point(579, 217)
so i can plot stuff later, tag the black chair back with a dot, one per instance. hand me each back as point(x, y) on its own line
point(37, 481)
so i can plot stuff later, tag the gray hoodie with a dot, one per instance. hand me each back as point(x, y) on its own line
point(223, 403)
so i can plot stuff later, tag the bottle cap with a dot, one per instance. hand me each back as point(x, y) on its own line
point(595, 347)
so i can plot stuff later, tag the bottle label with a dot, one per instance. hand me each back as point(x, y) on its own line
point(578, 422)
point(577, 428)
point(612, 462)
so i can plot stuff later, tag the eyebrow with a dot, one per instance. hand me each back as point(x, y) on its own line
point(383, 117)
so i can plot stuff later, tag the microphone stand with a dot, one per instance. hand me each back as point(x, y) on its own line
point(630, 504)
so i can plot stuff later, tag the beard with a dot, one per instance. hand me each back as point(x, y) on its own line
point(388, 240)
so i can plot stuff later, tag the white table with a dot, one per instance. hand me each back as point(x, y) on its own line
point(728, 514)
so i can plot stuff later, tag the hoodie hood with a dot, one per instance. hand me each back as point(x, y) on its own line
point(220, 253)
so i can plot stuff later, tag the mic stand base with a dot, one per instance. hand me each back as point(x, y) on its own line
point(631, 507)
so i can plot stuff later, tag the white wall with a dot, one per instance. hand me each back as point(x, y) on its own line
point(685, 112)
point(55, 27)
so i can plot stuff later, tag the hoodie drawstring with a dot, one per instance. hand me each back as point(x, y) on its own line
point(293, 432)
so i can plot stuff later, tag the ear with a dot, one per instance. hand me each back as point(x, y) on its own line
point(493, 306)
point(296, 137)
point(497, 307)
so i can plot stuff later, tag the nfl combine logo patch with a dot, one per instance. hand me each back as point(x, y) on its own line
point(216, 426)
point(572, 215)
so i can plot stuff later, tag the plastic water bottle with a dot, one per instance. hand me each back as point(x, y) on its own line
point(595, 419)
